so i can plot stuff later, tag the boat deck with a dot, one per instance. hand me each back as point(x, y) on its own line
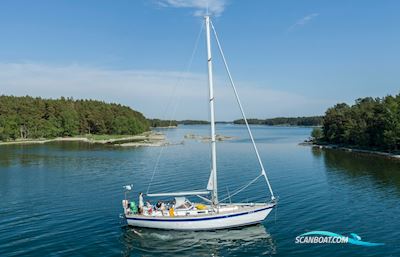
point(209, 211)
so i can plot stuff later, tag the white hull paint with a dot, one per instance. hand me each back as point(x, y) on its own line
point(204, 222)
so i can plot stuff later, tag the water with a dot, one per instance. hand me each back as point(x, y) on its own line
point(62, 199)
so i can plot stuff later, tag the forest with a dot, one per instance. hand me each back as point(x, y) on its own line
point(285, 121)
point(193, 122)
point(29, 117)
point(370, 123)
point(174, 123)
point(157, 123)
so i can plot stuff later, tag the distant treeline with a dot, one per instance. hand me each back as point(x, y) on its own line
point(156, 123)
point(168, 123)
point(371, 123)
point(28, 117)
point(285, 121)
point(193, 122)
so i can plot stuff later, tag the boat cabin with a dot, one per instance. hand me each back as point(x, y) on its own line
point(180, 206)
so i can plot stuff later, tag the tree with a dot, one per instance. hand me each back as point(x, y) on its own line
point(317, 133)
point(372, 123)
point(28, 117)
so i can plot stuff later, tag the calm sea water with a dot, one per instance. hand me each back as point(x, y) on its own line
point(62, 199)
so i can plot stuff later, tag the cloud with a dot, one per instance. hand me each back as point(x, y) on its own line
point(215, 7)
point(303, 21)
point(158, 94)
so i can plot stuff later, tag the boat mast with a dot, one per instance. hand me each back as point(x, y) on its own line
point(212, 116)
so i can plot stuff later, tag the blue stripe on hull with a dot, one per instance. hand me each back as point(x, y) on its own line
point(205, 229)
point(200, 219)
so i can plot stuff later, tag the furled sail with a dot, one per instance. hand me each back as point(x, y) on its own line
point(210, 185)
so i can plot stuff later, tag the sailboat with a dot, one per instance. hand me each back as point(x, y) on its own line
point(211, 213)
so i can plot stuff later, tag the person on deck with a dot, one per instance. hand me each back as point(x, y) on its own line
point(162, 208)
point(158, 205)
point(148, 205)
point(141, 203)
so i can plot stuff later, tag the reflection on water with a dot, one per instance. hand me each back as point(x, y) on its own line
point(361, 194)
point(355, 165)
point(247, 241)
point(64, 199)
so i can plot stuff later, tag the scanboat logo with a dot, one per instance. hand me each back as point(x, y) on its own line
point(326, 237)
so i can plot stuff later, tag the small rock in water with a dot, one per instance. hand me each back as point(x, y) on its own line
point(208, 138)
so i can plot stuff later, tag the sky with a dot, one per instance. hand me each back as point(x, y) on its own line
point(287, 57)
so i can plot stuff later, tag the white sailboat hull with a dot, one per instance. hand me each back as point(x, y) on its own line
point(248, 216)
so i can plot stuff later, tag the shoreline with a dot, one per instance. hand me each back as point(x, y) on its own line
point(149, 138)
point(353, 150)
point(164, 127)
